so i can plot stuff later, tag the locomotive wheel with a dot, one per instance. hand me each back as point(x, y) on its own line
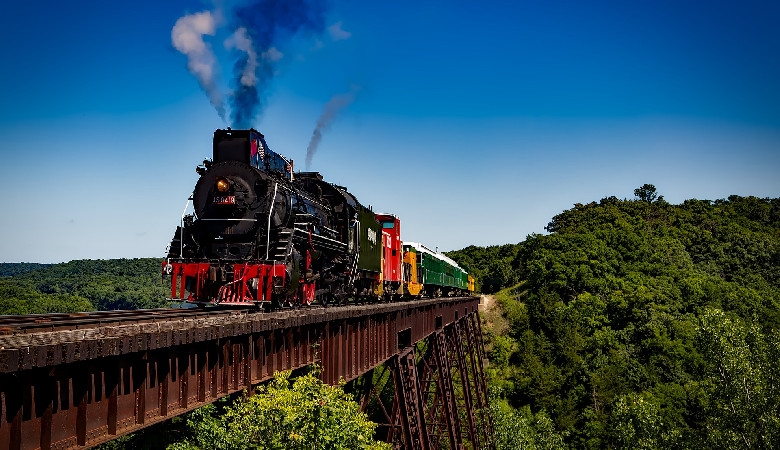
point(281, 303)
point(325, 299)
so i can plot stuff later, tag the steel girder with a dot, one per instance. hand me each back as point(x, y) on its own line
point(439, 392)
point(78, 388)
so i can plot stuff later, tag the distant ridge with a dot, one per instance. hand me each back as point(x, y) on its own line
point(107, 284)
point(14, 269)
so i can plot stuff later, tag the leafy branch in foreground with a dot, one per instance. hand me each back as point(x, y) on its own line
point(742, 382)
point(300, 414)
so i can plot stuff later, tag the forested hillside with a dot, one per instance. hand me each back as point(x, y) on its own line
point(641, 324)
point(84, 285)
point(13, 269)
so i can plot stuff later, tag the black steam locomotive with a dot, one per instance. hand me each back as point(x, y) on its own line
point(261, 233)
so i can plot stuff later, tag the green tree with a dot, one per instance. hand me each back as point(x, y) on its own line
point(490, 266)
point(636, 423)
point(742, 382)
point(647, 193)
point(307, 415)
point(516, 429)
point(498, 275)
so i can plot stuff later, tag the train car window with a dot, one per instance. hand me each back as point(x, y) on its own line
point(388, 225)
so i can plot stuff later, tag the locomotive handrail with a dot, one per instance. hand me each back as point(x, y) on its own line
point(181, 234)
point(236, 220)
point(319, 236)
point(268, 231)
point(329, 229)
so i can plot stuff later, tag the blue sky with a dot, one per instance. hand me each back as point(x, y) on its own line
point(475, 122)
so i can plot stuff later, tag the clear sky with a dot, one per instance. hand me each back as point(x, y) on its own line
point(475, 122)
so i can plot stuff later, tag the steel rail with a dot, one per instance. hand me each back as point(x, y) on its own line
point(34, 323)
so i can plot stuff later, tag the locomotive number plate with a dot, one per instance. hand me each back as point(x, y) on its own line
point(227, 200)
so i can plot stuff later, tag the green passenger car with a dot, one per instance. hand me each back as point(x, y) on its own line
point(438, 273)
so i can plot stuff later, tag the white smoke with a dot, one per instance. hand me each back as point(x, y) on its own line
point(272, 54)
point(187, 37)
point(329, 112)
point(240, 40)
point(337, 33)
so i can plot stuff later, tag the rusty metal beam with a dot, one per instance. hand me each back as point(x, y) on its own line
point(445, 389)
point(477, 357)
point(427, 410)
point(78, 388)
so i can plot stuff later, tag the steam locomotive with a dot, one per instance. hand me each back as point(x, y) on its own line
point(263, 235)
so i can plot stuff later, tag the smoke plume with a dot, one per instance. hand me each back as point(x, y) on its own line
point(337, 33)
point(187, 37)
point(329, 113)
point(241, 41)
point(269, 24)
point(260, 30)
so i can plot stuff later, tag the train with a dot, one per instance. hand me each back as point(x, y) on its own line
point(263, 235)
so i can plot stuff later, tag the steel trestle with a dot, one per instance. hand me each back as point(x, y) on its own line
point(76, 388)
point(439, 392)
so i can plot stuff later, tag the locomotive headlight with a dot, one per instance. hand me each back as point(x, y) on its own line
point(222, 185)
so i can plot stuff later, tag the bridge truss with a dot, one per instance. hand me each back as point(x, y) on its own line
point(75, 381)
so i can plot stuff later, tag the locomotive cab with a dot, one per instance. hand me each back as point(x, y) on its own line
point(249, 147)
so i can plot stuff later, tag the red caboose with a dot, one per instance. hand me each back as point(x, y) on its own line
point(392, 253)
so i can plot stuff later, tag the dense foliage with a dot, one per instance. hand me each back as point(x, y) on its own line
point(491, 266)
point(84, 285)
point(13, 269)
point(644, 324)
point(303, 414)
point(16, 299)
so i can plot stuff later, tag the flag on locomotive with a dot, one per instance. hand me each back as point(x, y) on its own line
point(261, 234)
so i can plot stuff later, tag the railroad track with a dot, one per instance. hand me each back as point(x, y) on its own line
point(43, 323)
point(37, 323)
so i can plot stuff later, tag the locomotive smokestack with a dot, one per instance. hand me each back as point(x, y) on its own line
point(329, 113)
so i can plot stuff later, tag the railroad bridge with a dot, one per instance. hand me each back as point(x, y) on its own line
point(77, 380)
